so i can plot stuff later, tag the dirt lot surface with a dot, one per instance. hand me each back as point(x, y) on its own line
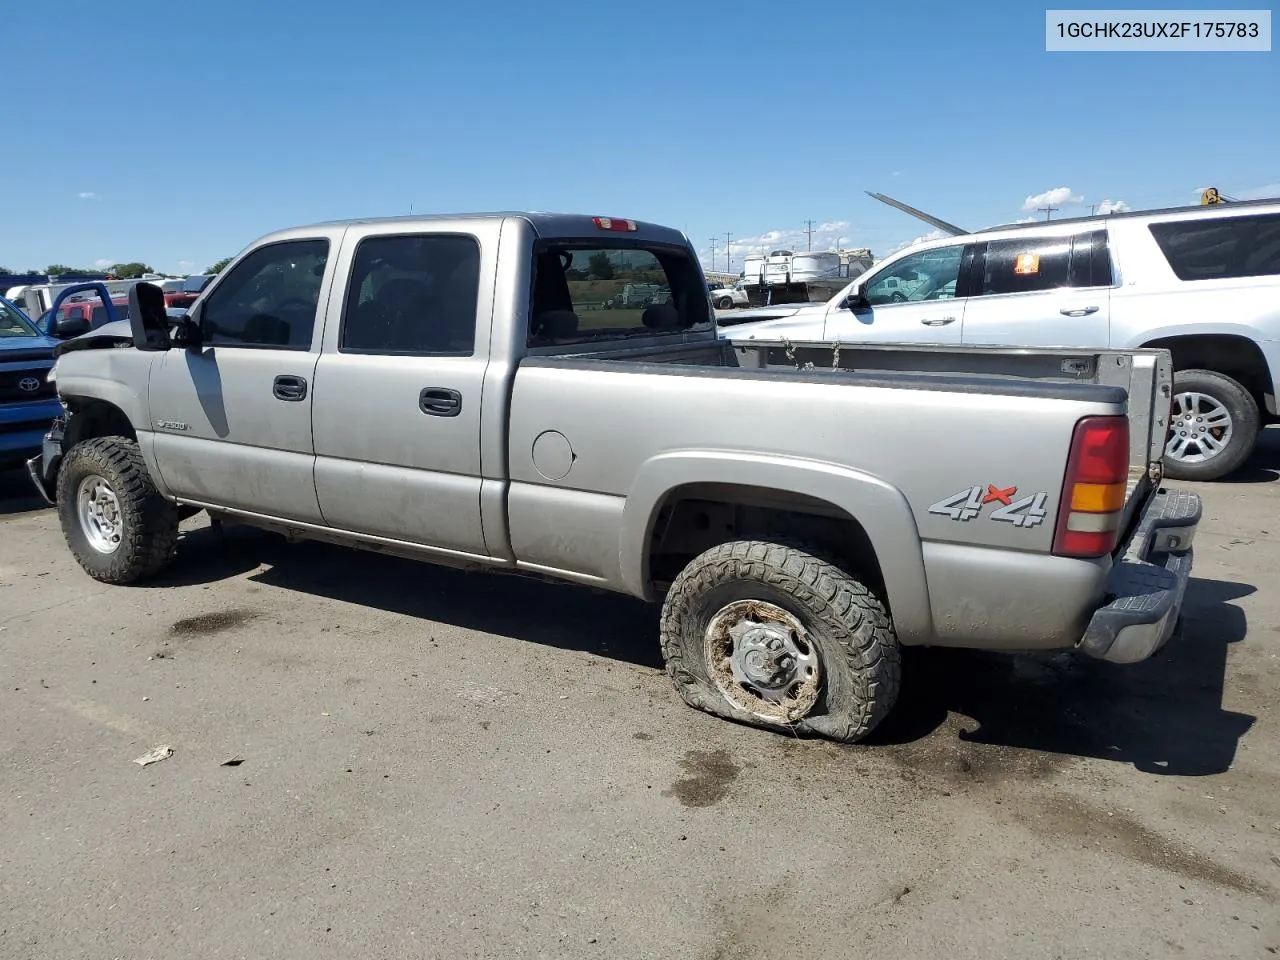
point(436, 764)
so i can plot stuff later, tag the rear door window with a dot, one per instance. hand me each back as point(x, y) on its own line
point(1026, 265)
point(588, 291)
point(1090, 260)
point(1221, 247)
point(414, 294)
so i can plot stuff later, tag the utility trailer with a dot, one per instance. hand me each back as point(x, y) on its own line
point(803, 278)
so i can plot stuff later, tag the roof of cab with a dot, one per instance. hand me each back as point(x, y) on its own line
point(545, 224)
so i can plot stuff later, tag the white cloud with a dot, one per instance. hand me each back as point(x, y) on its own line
point(186, 266)
point(1113, 206)
point(87, 195)
point(931, 235)
point(1051, 198)
point(102, 263)
point(1264, 192)
point(1025, 220)
point(897, 173)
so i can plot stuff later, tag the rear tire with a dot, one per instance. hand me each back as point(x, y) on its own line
point(725, 303)
point(118, 526)
point(1201, 399)
point(835, 668)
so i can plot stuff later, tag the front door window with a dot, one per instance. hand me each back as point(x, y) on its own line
point(927, 275)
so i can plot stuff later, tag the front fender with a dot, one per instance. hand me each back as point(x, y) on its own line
point(879, 507)
point(119, 377)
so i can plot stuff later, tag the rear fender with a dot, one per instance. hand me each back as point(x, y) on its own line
point(879, 507)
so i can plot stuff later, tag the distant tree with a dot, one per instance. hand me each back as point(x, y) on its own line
point(5, 272)
point(129, 271)
point(219, 266)
point(54, 269)
point(600, 266)
point(573, 273)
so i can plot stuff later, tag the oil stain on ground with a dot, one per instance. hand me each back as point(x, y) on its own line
point(710, 774)
point(215, 622)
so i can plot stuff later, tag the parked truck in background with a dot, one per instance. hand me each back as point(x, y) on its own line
point(28, 401)
point(1202, 282)
point(452, 389)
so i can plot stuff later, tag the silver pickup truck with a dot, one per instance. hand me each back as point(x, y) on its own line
point(453, 389)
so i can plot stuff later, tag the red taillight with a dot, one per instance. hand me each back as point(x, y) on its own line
point(614, 224)
point(1093, 494)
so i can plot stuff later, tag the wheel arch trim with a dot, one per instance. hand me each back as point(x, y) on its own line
point(880, 508)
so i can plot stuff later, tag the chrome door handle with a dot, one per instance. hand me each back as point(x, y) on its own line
point(938, 321)
point(1081, 312)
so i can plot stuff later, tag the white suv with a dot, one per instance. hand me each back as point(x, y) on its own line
point(1202, 282)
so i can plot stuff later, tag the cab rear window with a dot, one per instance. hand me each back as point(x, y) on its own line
point(94, 312)
point(596, 290)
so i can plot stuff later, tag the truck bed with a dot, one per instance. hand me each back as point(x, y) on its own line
point(1012, 382)
point(596, 436)
point(1141, 374)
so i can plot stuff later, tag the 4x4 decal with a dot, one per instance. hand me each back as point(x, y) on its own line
point(968, 503)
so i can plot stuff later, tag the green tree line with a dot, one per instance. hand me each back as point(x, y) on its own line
point(125, 271)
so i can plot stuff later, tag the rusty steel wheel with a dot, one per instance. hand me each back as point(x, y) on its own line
point(775, 635)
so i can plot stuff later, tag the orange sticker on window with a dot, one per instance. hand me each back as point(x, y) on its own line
point(1027, 264)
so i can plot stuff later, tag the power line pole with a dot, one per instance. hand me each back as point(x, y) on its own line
point(728, 253)
point(1048, 211)
point(714, 241)
point(809, 230)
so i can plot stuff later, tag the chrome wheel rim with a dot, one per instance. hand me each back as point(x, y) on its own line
point(1200, 428)
point(762, 660)
point(98, 511)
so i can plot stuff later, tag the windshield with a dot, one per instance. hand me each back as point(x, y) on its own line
point(13, 323)
point(593, 290)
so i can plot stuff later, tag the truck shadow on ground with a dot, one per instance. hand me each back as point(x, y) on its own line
point(17, 494)
point(1163, 716)
point(1264, 465)
point(523, 608)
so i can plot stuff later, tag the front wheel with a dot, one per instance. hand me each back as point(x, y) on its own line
point(118, 526)
point(773, 635)
point(1213, 426)
point(725, 303)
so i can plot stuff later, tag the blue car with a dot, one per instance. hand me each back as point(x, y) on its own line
point(28, 402)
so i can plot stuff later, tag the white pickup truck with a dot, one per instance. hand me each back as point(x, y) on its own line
point(1201, 282)
point(452, 389)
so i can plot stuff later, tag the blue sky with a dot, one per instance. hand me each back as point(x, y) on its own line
point(203, 126)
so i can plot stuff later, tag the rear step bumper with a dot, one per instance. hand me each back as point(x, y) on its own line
point(1147, 582)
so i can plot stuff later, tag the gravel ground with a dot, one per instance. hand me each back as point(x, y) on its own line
point(427, 763)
